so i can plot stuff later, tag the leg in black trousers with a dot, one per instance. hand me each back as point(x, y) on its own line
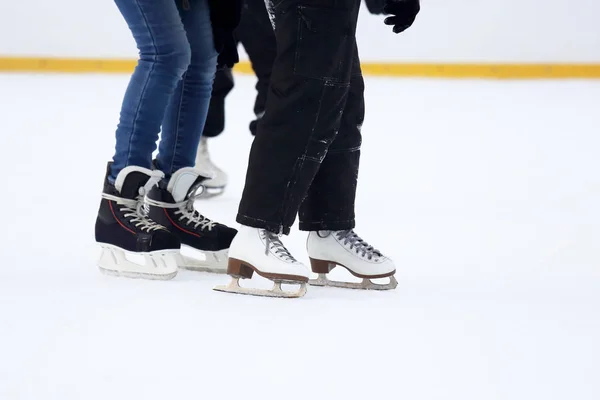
point(305, 156)
point(310, 86)
point(255, 32)
point(329, 204)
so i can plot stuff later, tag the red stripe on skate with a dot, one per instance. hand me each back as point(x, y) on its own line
point(120, 223)
point(177, 226)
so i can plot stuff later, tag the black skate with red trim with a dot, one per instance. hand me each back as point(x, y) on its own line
point(172, 205)
point(133, 245)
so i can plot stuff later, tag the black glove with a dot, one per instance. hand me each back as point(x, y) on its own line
point(228, 56)
point(403, 13)
point(225, 16)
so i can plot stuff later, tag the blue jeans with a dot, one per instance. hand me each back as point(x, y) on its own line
point(170, 87)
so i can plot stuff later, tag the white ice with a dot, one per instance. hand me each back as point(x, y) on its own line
point(487, 195)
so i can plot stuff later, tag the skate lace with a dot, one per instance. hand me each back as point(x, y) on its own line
point(186, 211)
point(355, 242)
point(135, 211)
point(273, 243)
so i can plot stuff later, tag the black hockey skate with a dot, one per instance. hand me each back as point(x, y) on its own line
point(126, 234)
point(172, 205)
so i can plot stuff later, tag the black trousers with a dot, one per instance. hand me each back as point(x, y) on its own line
point(255, 33)
point(305, 157)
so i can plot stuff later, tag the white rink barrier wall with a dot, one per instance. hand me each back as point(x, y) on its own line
point(512, 38)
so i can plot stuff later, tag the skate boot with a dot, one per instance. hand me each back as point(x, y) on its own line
point(123, 229)
point(328, 249)
point(261, 251)
point(172, 205)
point(215, 185)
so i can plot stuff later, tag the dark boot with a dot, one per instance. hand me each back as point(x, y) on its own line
point(123, 227)
point(172, 204)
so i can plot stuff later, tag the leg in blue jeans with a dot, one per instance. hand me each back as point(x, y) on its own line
point(187, 110)
point(171, 41)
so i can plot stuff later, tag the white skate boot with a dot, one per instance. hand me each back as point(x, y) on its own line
point(261, 251)
point(216, 184)
point(328, 249)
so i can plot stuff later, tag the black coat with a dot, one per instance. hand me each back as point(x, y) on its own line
point(375, 6)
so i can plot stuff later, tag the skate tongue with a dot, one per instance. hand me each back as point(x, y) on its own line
point(184, 180)
point(131, 178)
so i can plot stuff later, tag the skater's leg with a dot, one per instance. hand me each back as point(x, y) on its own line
point(164, 57)
point(215, 124)
point(122, 226)
point(258, 38)
point(172, 201)
point(328, 210)
point(309, 87)
point(329, 204)
point(186, 113)
point(256, 34)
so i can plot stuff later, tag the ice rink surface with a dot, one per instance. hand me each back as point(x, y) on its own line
point(486, 194)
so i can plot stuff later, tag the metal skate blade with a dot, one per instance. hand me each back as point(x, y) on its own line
point(366, 283)
point(211, 270)
point(159, 265)
point(138, 275)
point(276, 291)
point(214, 261)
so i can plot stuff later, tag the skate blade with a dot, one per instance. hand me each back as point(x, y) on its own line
point(215, 261)
point(276, 291)
point(158, 265)
point(366, 283)
point(138, 275)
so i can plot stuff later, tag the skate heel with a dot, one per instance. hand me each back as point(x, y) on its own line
point(239, 269)
point(321, 266)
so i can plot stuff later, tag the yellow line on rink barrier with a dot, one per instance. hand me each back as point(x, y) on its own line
point(66, 65)
point(464, 71)
point(487, 71)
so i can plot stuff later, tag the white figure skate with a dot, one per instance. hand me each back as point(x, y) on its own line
point(215, 185)
point(328, 249)
point(261, 251)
